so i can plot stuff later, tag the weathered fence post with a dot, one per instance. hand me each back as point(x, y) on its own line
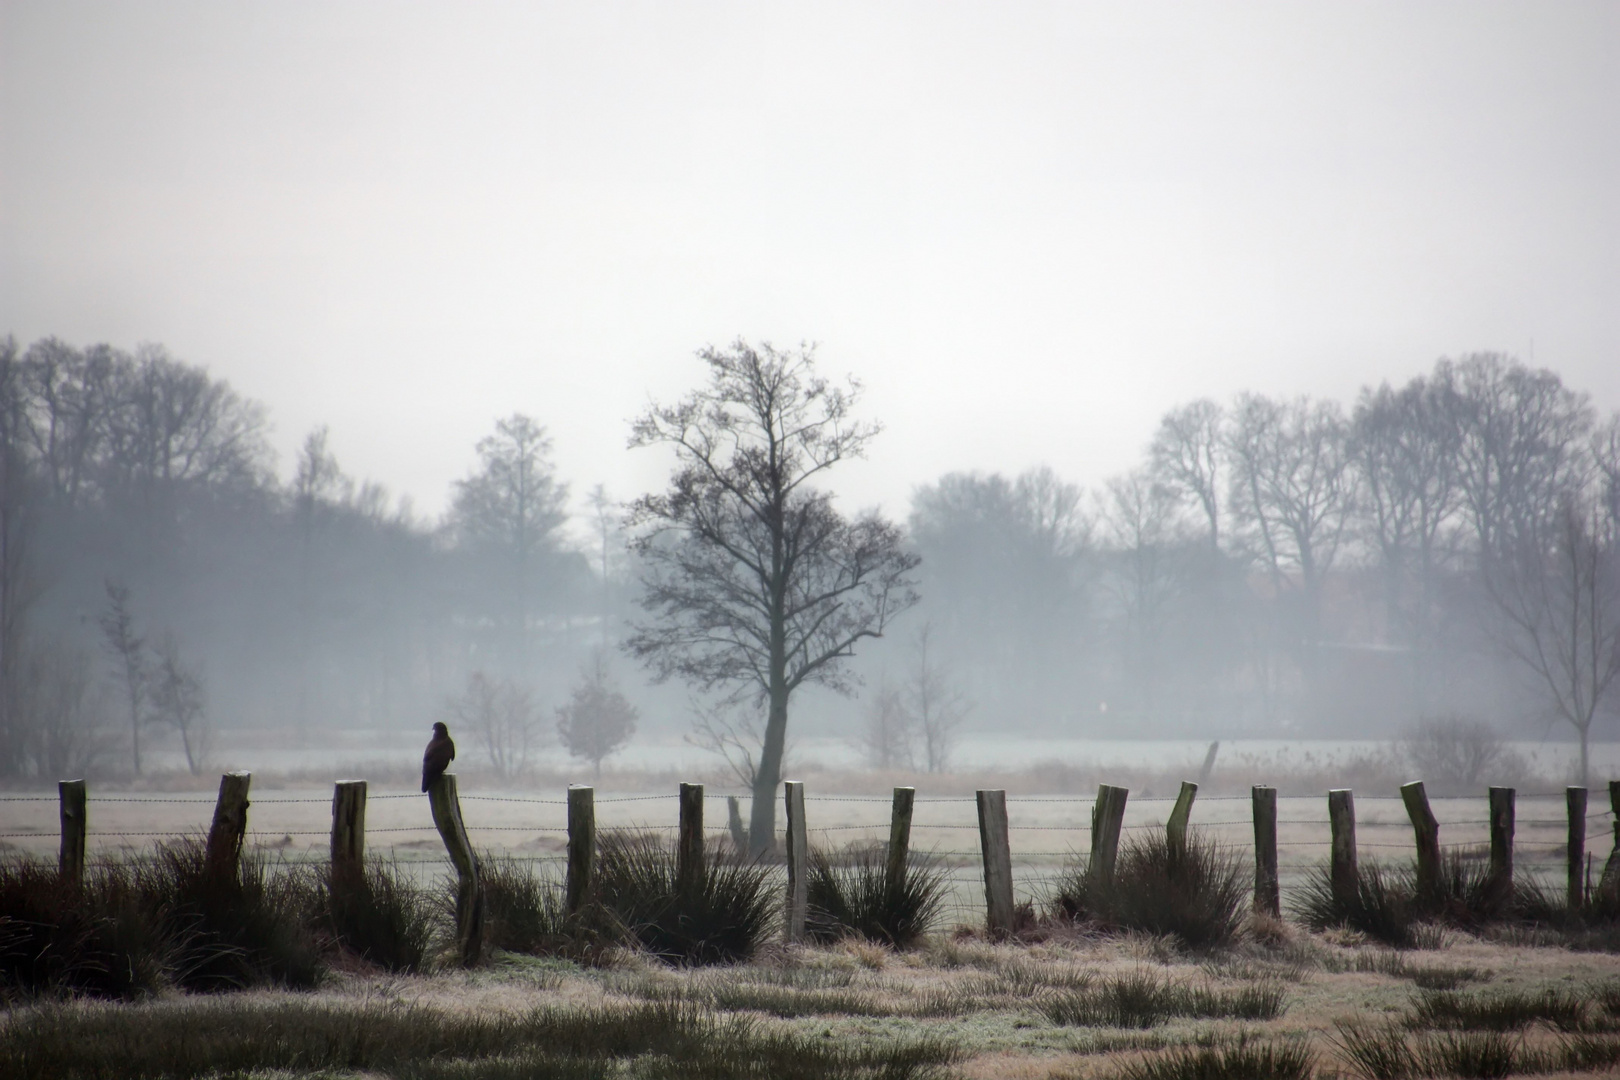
point(229, 829)
point(1426, 833)
point(348, 828)
point(1267, 892)
point(997, 853)
point(899, 840)
point(581, 846)
point(1575, 802)
point(1609, 883)
point(1502, 813)
point(1344, 874)
point(71, 803)
point(734, 825)
point(1107, 818)
point(446, 806)
point(798, 859)
point(689, 844)
point(1175, 830)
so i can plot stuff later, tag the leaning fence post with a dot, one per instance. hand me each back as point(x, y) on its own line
point(1175, 830)
point(1107, 818)
point(71, 802)
point(348, 828)
point(446, 806)
point(997, 852)
point(899, 840)
point(1345, 876)
point(1426, 833)
point(229, 829)
point(1609, 883)
point(1502, 799)
point(798, 843)
point(1267, 893)
point(581, 845)
point(1575, 801)
point(689, 845)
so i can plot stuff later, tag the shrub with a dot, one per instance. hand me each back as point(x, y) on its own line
point(379, 914)
point(852, 895)
point(528, 913)
point(1455, 754)
point(723, 915)
point(1197, 897)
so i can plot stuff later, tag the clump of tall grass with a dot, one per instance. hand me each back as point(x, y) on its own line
point(97, 937)
point(1242, 1058)
point(851, 894)
point(1501, 1011)
point(1145, 1000)
point(1386, 1052)
point(1381, 906)
point(378, 913)
point(527, 912)
point(1197, 894)
point(719, 917)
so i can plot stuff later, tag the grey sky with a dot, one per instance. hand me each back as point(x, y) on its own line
point(1029, 228)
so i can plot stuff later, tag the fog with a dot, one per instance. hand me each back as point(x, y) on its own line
point(272, 273)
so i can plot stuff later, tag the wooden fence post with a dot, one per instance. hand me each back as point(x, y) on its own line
point(1344, 874)
point(1426, 832)
point(1575, 802)
point(229, 829)
point(348, 828)
point(997, 853)
point(1107, 818)
point(1502, 814)
point(71, 803)
point(689, 845)
point(446, 806)
point(798, 858)
point(1267, 892)
point(899, 840)
point(734, 825)
point(1609, 883)
point(1175, 830)
point(581, 846)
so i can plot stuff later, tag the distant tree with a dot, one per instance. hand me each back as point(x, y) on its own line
point(128, 650)
point(1454, 753)
point(936, 706)
point(1140, 528)
point(1186, 460)
point(502, 717)
point(20, 586)
point(753, 582)
point(598, 720)
point(176, 699)
point(888, 736)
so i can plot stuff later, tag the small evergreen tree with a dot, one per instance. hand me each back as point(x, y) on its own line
point(598, 721)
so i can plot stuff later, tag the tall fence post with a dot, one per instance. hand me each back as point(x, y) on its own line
point(1175, 830)
point(72, 803)
point(1609, 883)
point(997, 853)
point(1575, 802)
point(581, 846)
point(348, 828)
point(229, 829)
point(899, 840)
point(1107, 818)
point(446, 806)
point(1426, 834)
point(798, 859)
point(689, 845)
point(1502, 825)
point(1267, 892)
point(1344, 874)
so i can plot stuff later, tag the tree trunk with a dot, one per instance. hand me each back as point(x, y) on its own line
point(762, 812)
point(1586, 733)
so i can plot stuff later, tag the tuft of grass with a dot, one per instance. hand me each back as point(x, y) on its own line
point(1385, 1052)
point(1501, 1011)
point(1198, 896)
point(725, 914)
point(415, 1042)
point(1242, 1058)
point(852, 894)
point(1382, 907)
point(528, 913)
point(379, 914)
point(1144, 1000)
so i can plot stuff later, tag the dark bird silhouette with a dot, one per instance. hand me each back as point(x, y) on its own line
point(441, 751)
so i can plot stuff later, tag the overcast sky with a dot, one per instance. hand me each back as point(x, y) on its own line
point(1029, 229)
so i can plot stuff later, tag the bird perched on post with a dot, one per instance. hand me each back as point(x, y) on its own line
point(440, 752)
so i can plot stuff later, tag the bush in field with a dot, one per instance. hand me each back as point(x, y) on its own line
point(720, 918)
point(1197, 895)
point(1382, 906)
point(528, 913)
point(851, 894)
point(379, 914)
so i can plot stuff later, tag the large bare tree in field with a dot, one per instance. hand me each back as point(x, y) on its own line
point(753, 583)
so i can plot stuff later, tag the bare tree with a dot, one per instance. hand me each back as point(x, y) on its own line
point(598, 720)
point(129, 652)
point(936, 706)
point(502, 716)
point(753, 583)
point(176, 698)
point(1139, 519)
point(888, 736)
point(1186, 459)
point(1456, 754)
point(19, 583)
